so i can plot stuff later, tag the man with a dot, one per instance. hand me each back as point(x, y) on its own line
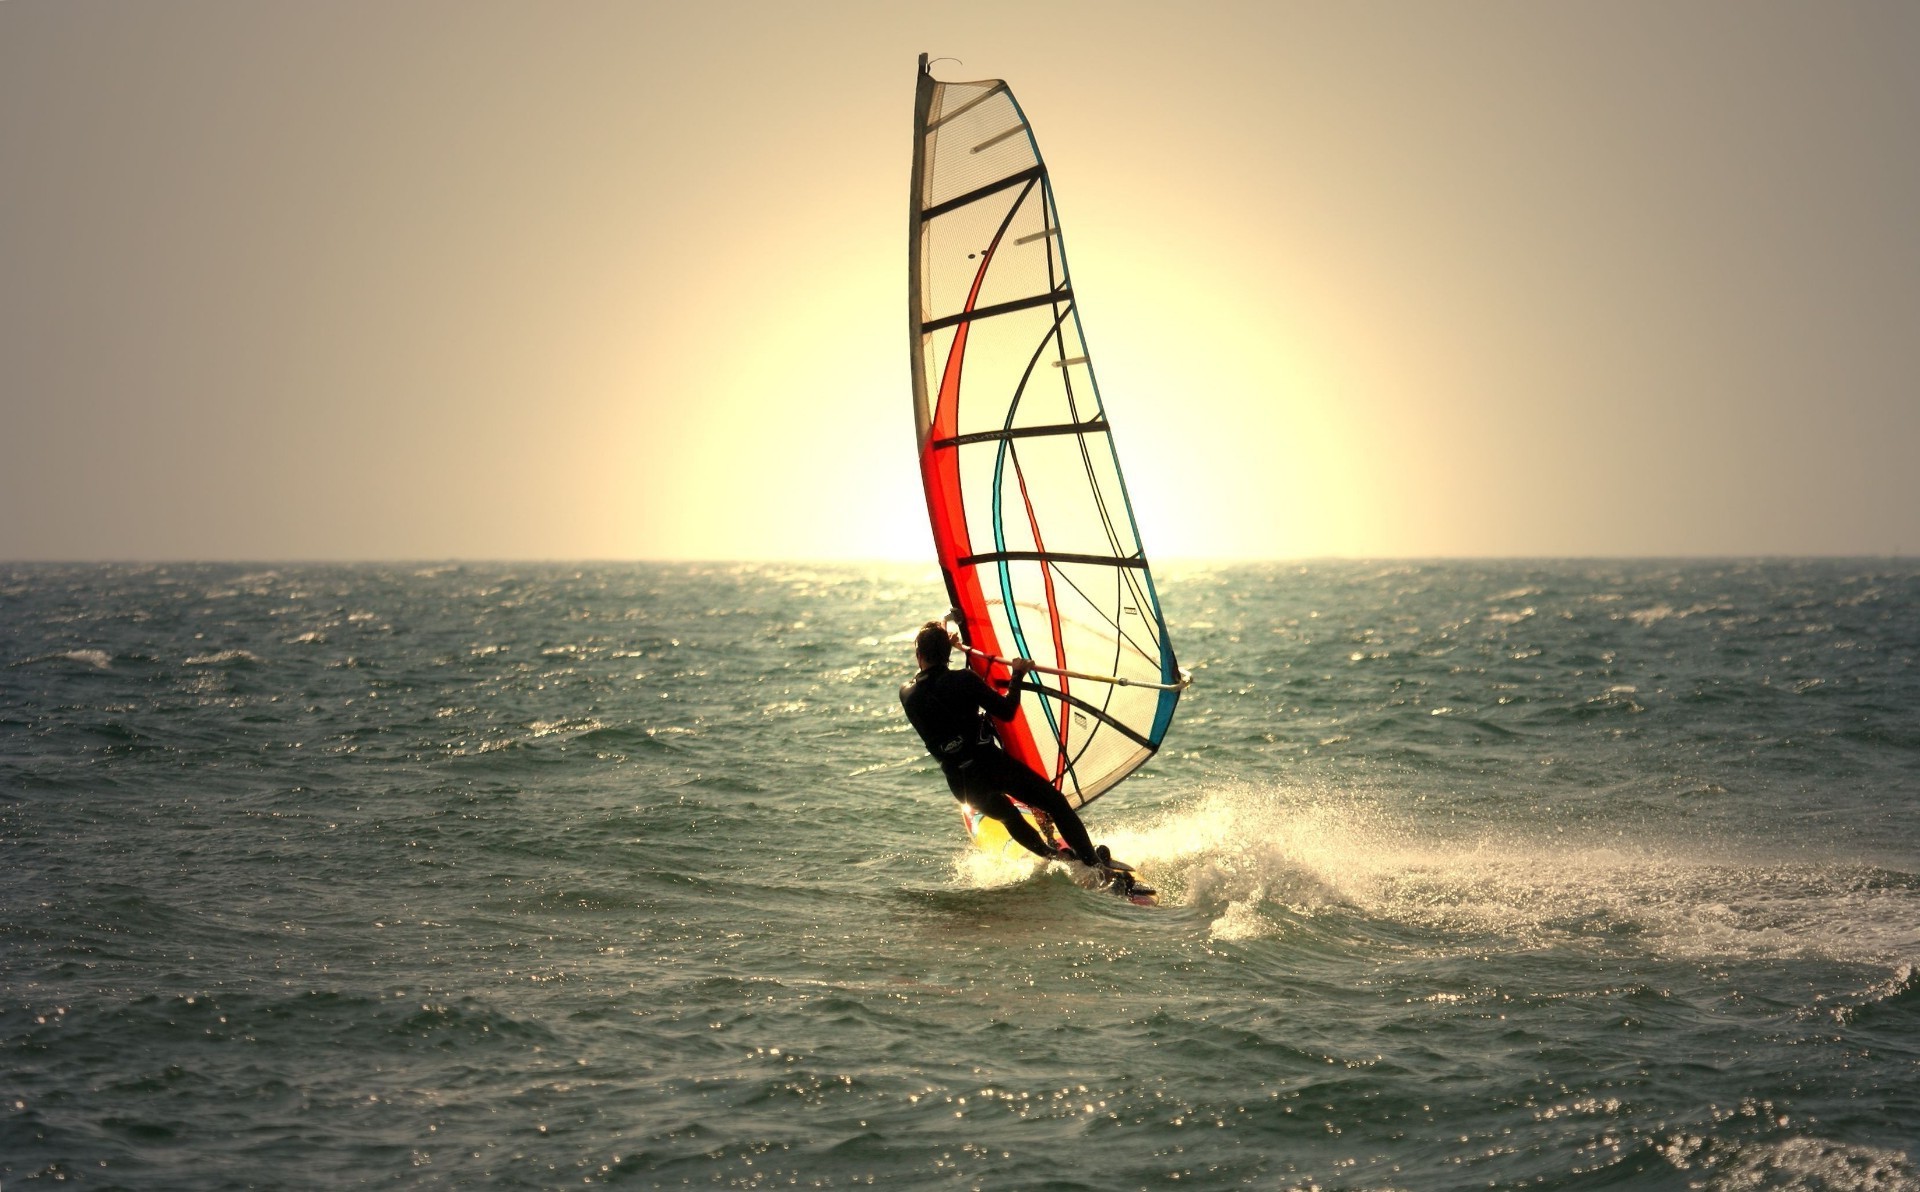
point(945, 707)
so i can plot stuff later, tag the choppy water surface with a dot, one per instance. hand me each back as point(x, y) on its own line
point(1475, 875)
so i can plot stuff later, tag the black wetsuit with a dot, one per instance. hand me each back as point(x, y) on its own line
point(944, 706)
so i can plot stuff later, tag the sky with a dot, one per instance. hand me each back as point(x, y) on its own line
point(465, 279)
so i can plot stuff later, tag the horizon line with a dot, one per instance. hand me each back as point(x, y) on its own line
point(858, 561)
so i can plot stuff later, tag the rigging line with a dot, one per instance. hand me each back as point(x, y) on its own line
point(1099, 714)
point(1026, 374)
point(1059, 727)
point(1073, 766)
point(1073, 405)
point(1127, 581)
point(999, 537)
point(1000, 308)
point(963, 319)
point(1007, 430)
point(950, 532)
point(1158, 663)
point(1073, 408)
point(999, 533)
point(1099, 495)
point(1116, 680)
point(981, 192)
point(1043, 556)
point(1156, 624)
point(1024, 740)
point(1093, 481)
point(1057, 277)
point(1143, 599)
point(1121, 638)
point(1006, 451)
point(1095, 607)
point(1023, 432)
point(1141, 602)
point(1121, 635)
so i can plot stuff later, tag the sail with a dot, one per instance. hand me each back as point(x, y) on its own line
point(1031, 522)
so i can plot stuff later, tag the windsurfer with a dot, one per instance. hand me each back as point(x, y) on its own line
point(945, 706)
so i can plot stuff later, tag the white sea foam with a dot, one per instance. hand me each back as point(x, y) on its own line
point(222, 658)
point(570, 726)
point(981, 870)
point(1513, 617)
point(1261, 855)
point(1795, 1162)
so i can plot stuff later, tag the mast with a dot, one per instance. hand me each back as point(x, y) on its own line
point(922, 101)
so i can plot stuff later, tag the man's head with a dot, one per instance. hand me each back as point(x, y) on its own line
point(932, 646)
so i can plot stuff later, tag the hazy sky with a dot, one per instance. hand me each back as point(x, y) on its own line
point(626, 280)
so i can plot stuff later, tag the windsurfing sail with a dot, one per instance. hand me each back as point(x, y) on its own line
point(1031, 522)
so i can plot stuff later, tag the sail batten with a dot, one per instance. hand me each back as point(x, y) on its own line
point(1031, 522)
point(991, 141)
point(1024, 432)
point(974, 196)
point(964, 108)
point(1001, 308)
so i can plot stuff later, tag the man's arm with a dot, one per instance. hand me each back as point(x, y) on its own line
point(1002, 706)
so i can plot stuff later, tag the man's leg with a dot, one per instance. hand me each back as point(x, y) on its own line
point(996, 806)
point(1036, 792)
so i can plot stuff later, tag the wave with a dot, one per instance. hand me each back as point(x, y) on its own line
point(96, 659)
point(566, 727)
point(1794, 1162)
point(224, 658)
point(1900, 992)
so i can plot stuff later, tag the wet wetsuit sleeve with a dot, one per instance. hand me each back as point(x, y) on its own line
point(999, 706)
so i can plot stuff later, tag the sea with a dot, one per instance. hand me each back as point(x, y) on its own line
point(1510, 874)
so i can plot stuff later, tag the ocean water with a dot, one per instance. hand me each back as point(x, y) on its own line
point(1474, 875)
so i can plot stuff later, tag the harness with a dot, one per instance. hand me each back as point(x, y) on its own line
point(952, 725)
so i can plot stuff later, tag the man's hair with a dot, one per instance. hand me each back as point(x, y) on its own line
point(933, 644)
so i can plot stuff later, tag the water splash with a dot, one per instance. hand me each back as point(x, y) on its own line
point(1262, 859)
